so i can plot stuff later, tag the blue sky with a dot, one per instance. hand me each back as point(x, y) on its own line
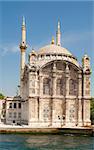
point(77, 27)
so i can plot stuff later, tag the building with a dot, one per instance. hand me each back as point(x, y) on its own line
point(13, 110)
point(54, 88)
point(2, 111)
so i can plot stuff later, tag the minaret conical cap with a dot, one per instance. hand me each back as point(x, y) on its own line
point(23, 21)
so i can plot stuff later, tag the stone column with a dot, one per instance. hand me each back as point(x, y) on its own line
point(67, 80)
point(40, 84)
point(80, 99)
point(36, 84)
point(54, 79)
point(40, 102)
point(67, 95)
point(37, 94)
point(53, 93)
point(54, 85)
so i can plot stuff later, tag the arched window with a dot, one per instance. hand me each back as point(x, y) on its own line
point(47, 86)
point(60, 87)
point(73, 87)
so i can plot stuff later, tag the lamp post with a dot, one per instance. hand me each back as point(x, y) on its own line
point(61, 118)
point(18, 90)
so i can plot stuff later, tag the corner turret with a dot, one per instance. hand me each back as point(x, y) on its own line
point(86, 90)
point(86, 63)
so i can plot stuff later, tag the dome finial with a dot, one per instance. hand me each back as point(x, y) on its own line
point(53, 41)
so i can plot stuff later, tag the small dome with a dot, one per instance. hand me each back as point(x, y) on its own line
point(53, 49)
point(33, 53)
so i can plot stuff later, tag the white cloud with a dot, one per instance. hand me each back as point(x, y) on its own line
point(6, 48)
point(76, 37)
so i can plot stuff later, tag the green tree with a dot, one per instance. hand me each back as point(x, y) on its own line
point(92, 110)
point(2, 96)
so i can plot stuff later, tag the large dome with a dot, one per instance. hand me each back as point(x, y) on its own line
point(53, 49)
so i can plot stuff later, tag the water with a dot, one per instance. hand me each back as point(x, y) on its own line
point(45, 142)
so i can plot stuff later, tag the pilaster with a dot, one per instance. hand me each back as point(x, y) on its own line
point(67, 95)
point(80, 104)
point(86, 100)
point(41, 84)
point(53, 93)
point(54, 79)
point(40, 96)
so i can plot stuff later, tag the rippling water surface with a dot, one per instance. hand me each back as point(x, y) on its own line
point(45, 142)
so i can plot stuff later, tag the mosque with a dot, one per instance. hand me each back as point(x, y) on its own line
point(54, 87)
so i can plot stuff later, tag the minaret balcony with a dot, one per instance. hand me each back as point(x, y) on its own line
point(23, 46)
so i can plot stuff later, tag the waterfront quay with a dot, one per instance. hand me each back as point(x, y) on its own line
point(26, 129)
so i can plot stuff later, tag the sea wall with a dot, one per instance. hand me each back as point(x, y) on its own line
point(84, 131)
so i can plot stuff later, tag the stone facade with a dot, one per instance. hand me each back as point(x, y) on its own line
point(54, 88)
point(13, 110)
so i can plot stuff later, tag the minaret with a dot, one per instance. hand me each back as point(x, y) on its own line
point(58, 35)
point(23, 46)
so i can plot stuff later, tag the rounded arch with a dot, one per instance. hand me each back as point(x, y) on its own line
point(64, 61)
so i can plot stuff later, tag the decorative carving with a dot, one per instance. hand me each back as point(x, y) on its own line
point(72, 112)
point(46, 113)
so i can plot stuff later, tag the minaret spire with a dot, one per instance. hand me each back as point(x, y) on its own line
point(58, 35)
point(58, 25)
point(23, 47)
point(23, 42)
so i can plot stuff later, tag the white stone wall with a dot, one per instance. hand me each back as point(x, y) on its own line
point(50, 110)
point(13, 115)
point(25, 112)
point(54, 110)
